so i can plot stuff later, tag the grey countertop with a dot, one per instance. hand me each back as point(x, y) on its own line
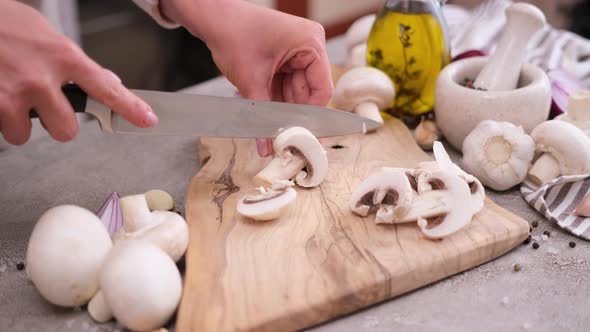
point(550, 293)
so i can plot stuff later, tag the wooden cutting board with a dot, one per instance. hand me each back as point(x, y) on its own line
point(320, 261)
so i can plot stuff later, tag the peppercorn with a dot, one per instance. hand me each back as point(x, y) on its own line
point(527, 240)
point(572, 244)
point(20, 266)
point(517, 267)
point(536, 245)
point(548, 233)
point(535, 223)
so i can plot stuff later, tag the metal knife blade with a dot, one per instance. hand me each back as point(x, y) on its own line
point(210, 116)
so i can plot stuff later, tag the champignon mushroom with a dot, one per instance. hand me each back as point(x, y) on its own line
point(64, 255)
point(364, 90)
point(499, 154)
point(444, 162)
point(141, 284)
point(578, 110)
point(387, 192)
point(565, 151)
point(356, 40)
point(457, 193)
point(268, 204)
point(164, 229)
point(298, 155)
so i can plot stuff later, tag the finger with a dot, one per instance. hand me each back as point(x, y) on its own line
point(56, 115)
point(16, 126)
point(277, 87)
point(288, 89)
point(300, 88)
point(264, 147)
point(105, 87)
point(319, 80)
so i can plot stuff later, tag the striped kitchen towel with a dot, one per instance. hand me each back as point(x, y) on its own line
point(557, 199)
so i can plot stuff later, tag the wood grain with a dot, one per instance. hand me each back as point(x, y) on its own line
point(320, 261)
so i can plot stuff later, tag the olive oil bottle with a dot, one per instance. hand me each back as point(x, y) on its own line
point(409, 43)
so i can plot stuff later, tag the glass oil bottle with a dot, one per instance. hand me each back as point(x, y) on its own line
point(409, 43)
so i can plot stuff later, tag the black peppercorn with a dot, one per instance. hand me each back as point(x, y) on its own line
point(572, 244)
point(20, 266)
point(536, 245)
point(548, 233)
point(517, 267)
point(527, 240)
point(535, 223)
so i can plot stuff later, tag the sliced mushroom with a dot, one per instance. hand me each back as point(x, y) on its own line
point(387, 193)
point(299, 155)
point(499, 154)
point(268, 204)
point(457, 193)
point(565, 151)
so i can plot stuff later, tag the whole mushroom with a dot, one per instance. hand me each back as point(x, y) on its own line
point(499, 154)
point(298, 155)
point(564, 148)
point(64, 255)
point(356, 40)
point(578, 110)
point(141, 284)
point(365, 91)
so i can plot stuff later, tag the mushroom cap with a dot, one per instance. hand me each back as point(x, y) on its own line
point(363, 85)
point(387, 192)
point(298, 140)
point(359, 31)
point(459, 214)
point(141, 285)
point(499, 154)
point(268, 205)
point(566, 143)
point(65, 252)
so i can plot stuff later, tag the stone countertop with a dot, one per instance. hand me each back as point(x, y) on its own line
point(550, 293)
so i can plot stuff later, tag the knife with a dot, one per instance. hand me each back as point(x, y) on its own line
point(209, 116)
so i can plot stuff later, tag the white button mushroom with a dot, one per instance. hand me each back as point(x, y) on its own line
point(141, 284)
point(364, 90)
point(499, 154)
point(268, 204)
point(65, 252)
point(164, 229)
point(356, 40)
point(565, 151)
point(578, 110)
point(298, 155)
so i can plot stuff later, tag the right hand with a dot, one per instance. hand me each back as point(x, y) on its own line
point(35, 62)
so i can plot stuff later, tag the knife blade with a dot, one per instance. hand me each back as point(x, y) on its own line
point(210, 116)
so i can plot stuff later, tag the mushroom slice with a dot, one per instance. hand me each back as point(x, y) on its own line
point(445, 164)
point(499, 154)
point(387, 193)
point(268, 204)
point(459, 214)
point(298, 155)
point(565, 151)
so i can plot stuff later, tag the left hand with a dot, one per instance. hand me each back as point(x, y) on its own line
point(266, 54)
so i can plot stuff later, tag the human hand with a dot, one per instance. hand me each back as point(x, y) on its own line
point(35, 62)
point(266, 54)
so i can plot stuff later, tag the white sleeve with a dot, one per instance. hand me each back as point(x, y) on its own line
point(152, 7)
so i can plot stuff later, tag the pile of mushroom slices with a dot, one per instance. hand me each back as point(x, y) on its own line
point(501, 155)
point(438, 195)
point(71, 260)
point(299, 159)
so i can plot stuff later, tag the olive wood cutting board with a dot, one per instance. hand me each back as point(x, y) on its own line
point(320, 261)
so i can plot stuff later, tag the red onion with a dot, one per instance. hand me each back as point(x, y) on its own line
point(110, 213)
point(468, 54)
point(563, 84)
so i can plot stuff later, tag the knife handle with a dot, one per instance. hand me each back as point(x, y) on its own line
point(76, 96)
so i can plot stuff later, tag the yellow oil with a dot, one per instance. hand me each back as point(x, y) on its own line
point(409, 44)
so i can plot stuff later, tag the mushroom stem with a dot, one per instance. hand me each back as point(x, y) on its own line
point(369, 110)
point(98, 308)
point(136, 213)
point(545, 169)
point(280, 168)
point(426, 205)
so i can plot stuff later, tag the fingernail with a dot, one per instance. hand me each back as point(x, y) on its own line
point(114, 75)
point(263, 147)
point(151, 119)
